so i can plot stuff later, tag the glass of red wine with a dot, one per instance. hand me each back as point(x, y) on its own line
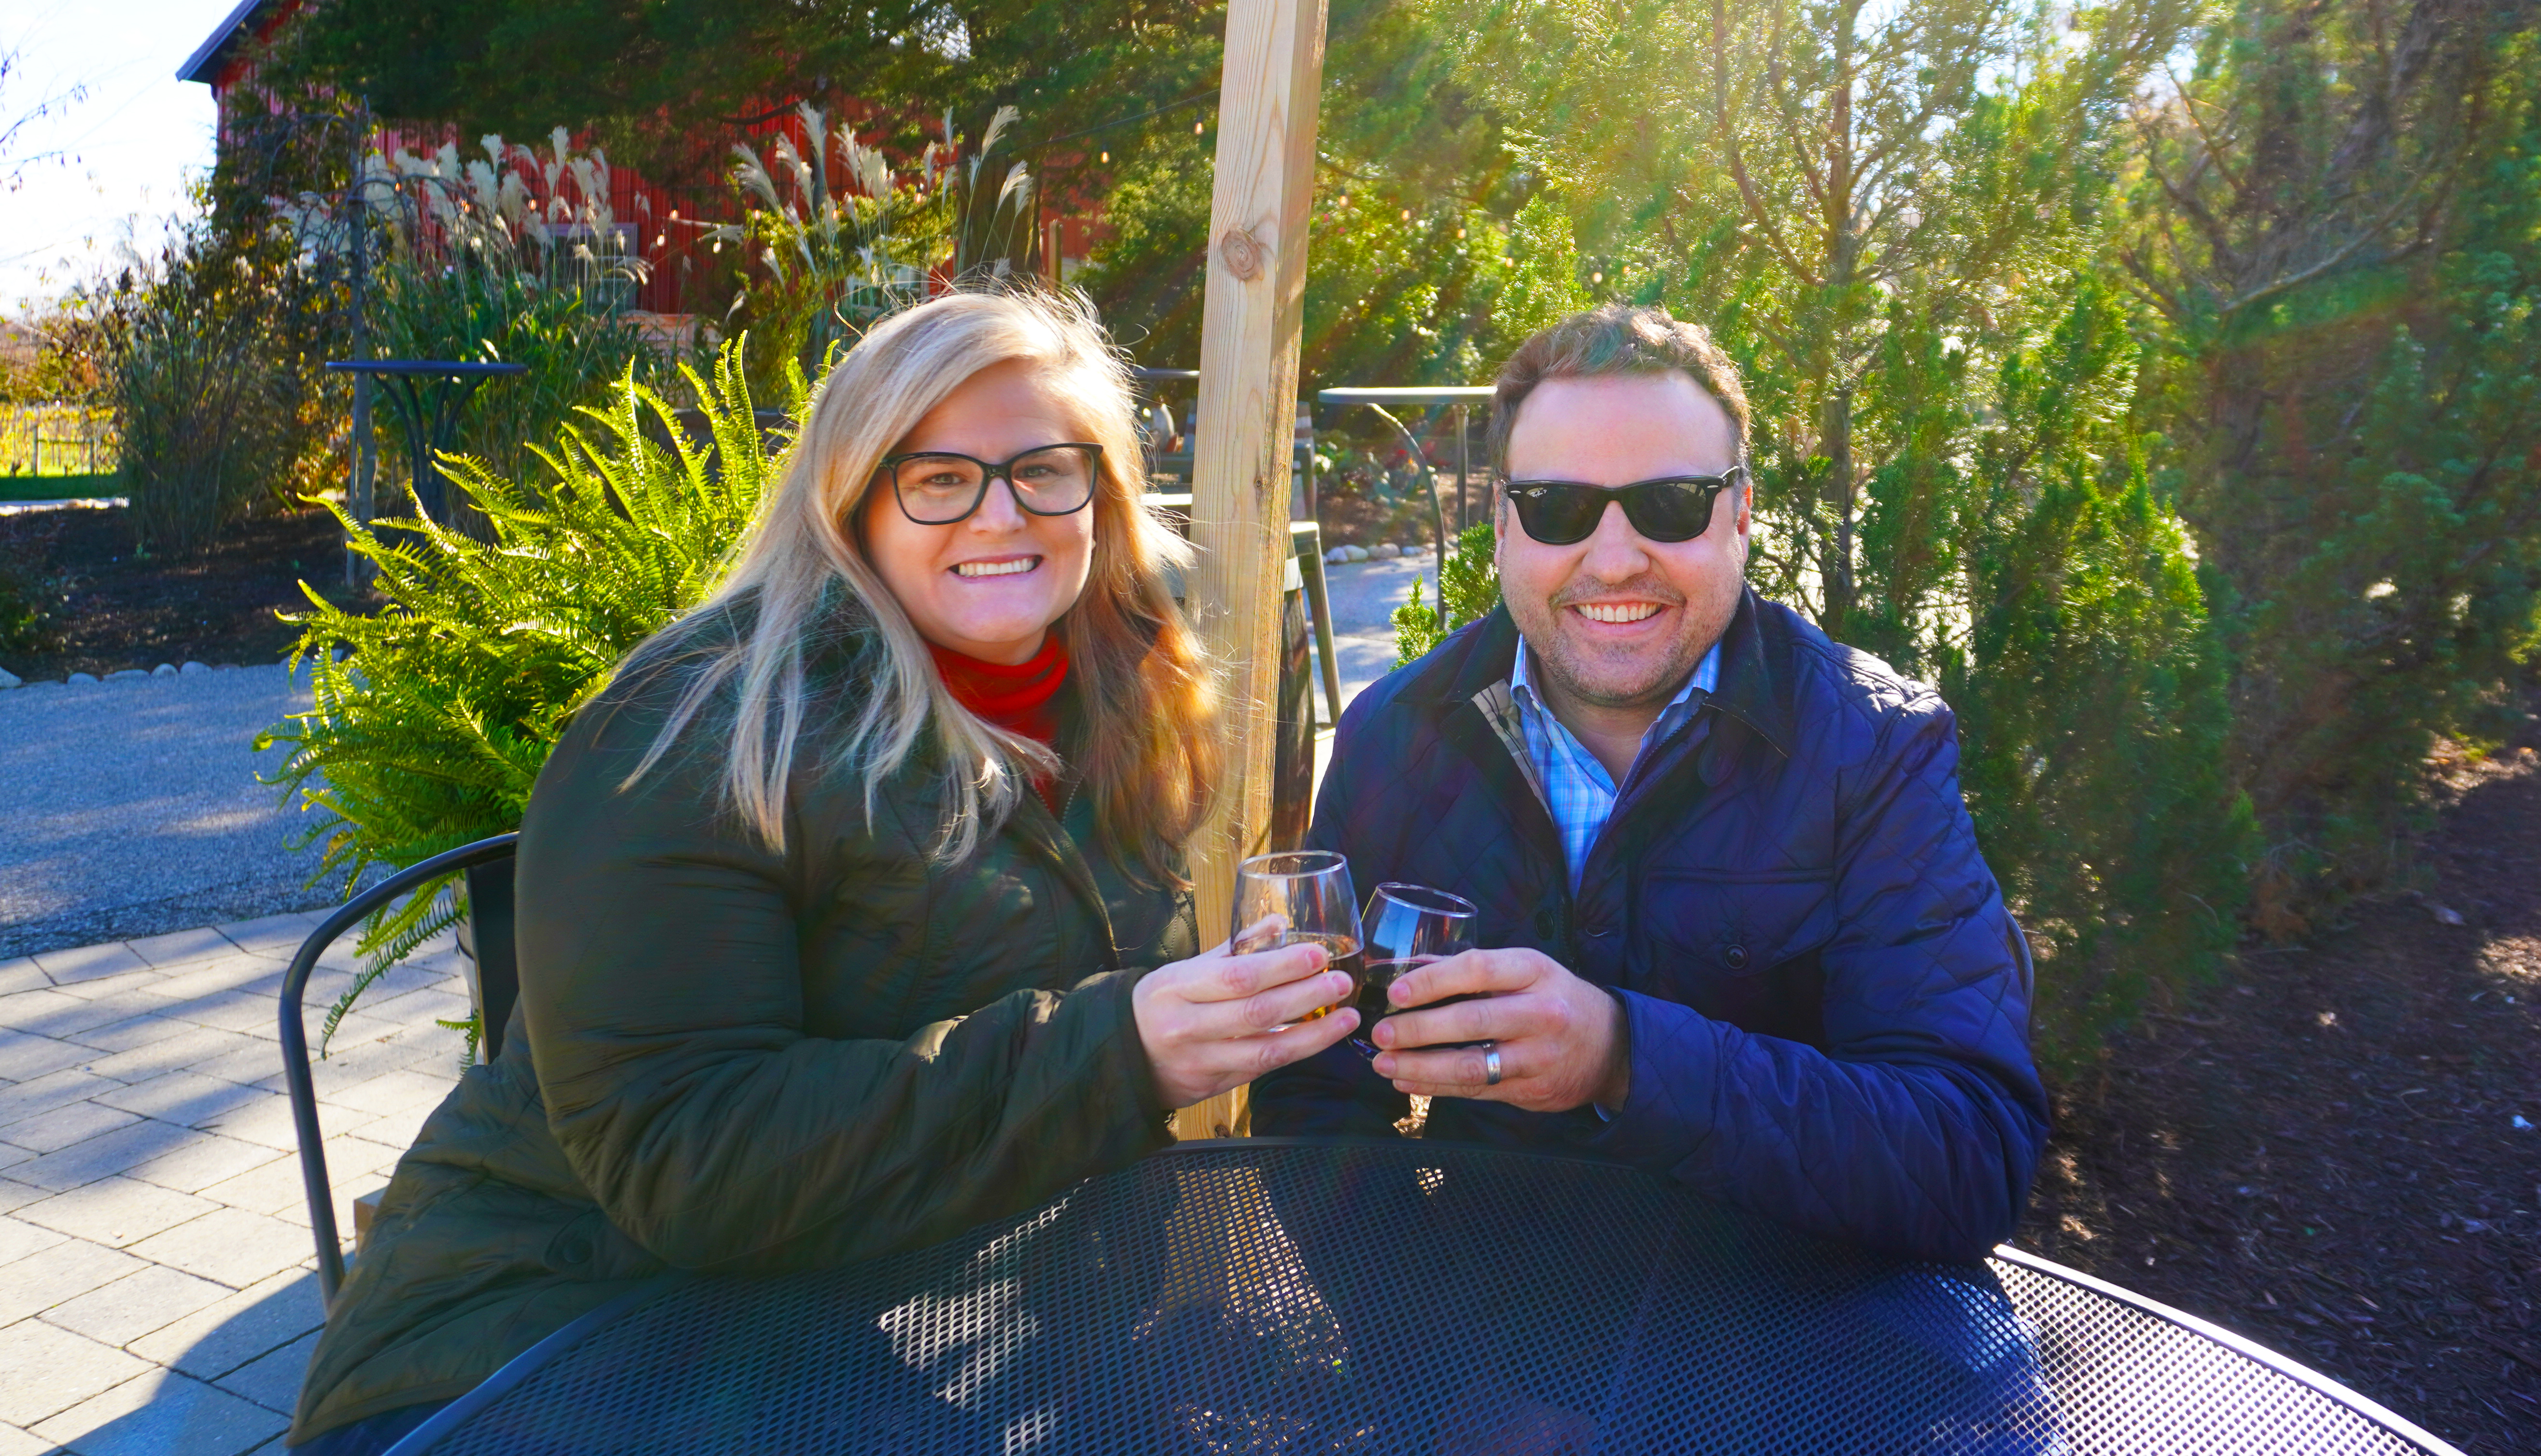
point(1296, 897)
point(1407, 925)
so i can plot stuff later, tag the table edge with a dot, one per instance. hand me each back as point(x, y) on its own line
point(2286, 1365)
point(522, 1366)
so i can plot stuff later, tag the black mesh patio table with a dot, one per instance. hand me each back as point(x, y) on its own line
point(1292, 1296)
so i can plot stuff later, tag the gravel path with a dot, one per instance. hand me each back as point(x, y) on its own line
point(1364, 595)
point(132, 808)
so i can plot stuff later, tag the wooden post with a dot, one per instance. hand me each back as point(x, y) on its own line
point(1250, 321)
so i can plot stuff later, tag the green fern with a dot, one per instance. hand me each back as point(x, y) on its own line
point(431, 733)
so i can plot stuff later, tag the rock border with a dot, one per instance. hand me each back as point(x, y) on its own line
point(8, 680)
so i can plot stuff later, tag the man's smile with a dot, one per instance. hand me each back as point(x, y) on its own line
point(1618, 612)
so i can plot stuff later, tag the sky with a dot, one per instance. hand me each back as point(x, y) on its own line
point(120, 157)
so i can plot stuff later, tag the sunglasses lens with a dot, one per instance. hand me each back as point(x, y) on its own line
point(1667, 511)
point(1558, 514)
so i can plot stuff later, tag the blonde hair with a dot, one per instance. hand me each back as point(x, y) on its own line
point(801, 581)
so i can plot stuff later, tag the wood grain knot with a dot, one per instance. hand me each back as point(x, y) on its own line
point(1242, 252)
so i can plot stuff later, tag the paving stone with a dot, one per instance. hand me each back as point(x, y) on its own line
point(89, 962)
point(16, 1442)
point(246, 1059)
point(276, 935)
point(66, 1271)
point(351, 1157)
point(273, 1380)
point(230, 1245)
point(184, 948)
point(19, 1239)
point(143, 1300)
point(233, 972)
point(398, 1129)
point(52, 1369)
point(152, 1023)
point(118, 1212)
point(15, 1194)
point(220, 1338)
point(267, 1120)
point(361, 1028)
point(200, 1160)
point(103, 1156)
point(132, 992)
point(64, 1126)
point(343, 1191)
point(189, 1048)
point(392, 1092)
point(275, 1188)
point(163, 1412)
point(251, 1012)
point(24, 1055)
point(188, 1099)
point(53, 1013)
point(49, 1091)
point(421, 1008)
point(23, 974)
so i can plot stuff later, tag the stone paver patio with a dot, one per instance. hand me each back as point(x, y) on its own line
point(157, 1284)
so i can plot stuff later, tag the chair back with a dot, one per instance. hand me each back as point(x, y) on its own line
point(487, 863)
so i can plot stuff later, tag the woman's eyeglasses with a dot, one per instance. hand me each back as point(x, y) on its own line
point(1668, 509)
point(937, 488)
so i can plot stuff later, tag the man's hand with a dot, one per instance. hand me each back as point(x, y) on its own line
point(1561, 1040)
point(1215, 1021)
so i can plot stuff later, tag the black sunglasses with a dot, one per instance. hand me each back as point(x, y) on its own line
point(1670, 508)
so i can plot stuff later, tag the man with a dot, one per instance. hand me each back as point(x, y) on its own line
point(1739, 931)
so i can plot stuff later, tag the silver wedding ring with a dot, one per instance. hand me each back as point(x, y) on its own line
point(1492, 1064)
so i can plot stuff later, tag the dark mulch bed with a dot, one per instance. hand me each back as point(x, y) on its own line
point(110, 609)
point(2322, 1155)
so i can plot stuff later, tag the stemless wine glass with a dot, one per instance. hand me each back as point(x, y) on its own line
point(1306, 896)
point(1408, 926)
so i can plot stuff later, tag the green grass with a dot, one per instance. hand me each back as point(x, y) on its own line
point(56, 488)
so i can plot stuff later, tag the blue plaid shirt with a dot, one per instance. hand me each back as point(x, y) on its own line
point(1577, 787)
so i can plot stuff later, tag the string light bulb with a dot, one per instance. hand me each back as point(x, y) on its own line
point(1107, 156)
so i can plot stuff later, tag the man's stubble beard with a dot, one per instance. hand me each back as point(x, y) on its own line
point(1704, 625)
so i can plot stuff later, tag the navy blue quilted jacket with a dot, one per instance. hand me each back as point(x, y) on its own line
point(1828, 1001)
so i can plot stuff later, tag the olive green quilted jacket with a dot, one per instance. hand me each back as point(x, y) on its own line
point(733, 1061)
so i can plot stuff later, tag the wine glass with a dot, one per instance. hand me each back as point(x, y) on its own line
point(1300, 896)
point(1408, 926)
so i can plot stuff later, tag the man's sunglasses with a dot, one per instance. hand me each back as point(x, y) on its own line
point(1670, 508)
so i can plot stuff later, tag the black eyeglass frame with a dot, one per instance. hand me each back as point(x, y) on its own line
point(989, 473)
point(1635, 498)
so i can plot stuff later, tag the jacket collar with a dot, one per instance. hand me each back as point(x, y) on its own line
point(1756, 685)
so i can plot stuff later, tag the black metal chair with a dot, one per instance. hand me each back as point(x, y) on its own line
point(487, 864)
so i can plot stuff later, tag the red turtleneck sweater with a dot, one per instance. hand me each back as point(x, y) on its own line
point(1016, 699)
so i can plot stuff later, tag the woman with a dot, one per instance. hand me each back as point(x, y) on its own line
point(836, 906)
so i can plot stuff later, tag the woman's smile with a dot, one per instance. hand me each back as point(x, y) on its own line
point(996, 566)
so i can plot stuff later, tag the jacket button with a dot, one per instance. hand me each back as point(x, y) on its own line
point(1735, 958)
point(575, 1250)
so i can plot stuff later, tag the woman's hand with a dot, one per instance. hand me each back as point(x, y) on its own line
point(1215, 1021)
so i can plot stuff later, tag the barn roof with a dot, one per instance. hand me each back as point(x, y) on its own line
point(204, 64)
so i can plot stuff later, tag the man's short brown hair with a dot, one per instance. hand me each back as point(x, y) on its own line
point(1615, 340)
